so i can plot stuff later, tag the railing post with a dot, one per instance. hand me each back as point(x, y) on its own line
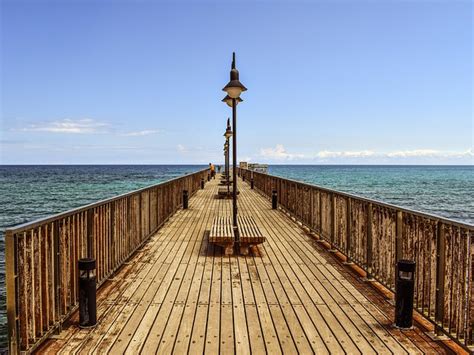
point(348, 231)
point(90, 221)
point(440, 269)
point(369, 242)
point(320, 215)
point(57, 273)
point(112, 236)
point(398, 243)
point(140, 224)
point(149, 212)
point(399, 236)
point(333, 223)
point(11, 275)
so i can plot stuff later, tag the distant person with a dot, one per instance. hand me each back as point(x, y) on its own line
point(213, 170)
point(219, 169)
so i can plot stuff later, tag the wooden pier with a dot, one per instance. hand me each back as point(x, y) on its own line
point(181, 294)
point(177, 293)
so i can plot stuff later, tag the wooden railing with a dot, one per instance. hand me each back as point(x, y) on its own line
point(374, 235)
point(42, 256)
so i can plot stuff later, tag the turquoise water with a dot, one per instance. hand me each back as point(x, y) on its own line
point(31, 192)
point(446, 191)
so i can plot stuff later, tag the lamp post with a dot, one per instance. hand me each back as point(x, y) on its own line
point(226, 156)
point(225, 160)
point(228, 133)
point(233, 89)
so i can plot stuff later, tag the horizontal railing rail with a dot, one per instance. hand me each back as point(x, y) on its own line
point(375, 235)
point(42, 256)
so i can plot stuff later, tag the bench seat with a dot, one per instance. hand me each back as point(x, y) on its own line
point(222, 191)
point(222, 233)
point(249, 232)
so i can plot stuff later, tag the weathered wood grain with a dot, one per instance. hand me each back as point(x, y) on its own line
point(42, 259)
point(375, 235)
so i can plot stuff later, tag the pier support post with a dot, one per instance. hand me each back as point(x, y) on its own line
point(251, 183)
point(202, 183)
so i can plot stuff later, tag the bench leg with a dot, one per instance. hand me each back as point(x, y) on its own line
point(229, 249)
point(244, 250)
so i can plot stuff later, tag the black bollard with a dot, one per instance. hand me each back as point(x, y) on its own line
point(202, 183)
point(87, 293)
point(208, 177)
point(251, 184)
point(185, 199)
point(405, 289)
point(274, 199)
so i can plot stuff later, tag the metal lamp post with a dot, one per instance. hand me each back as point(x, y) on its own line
point(228, 133)
point(225, 160)
point(226, 157)
point(233, 89)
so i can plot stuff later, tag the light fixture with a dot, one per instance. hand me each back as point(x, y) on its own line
point(234, 87)
point(228, 100)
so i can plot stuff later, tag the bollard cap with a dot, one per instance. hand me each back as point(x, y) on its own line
point(86, 264)
point(406, 265)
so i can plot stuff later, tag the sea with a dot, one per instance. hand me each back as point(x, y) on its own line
point(31, 192)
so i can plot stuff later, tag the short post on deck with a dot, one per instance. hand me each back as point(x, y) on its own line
point(251, 183)
point(202, 183)
point(185, 199)
point(404, 290)
point(274, 199)
point(87, 293)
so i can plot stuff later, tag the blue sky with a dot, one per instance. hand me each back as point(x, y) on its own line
point(329, 82)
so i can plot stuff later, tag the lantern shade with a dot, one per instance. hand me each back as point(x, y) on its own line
point(228, 133)
point(234, 87)
point(228, 100)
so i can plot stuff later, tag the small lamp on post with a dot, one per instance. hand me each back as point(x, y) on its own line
point(233, 89)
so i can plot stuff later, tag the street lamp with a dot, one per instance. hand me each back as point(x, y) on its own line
point(233, 89)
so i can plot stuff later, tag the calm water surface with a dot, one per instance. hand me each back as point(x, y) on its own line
point(31, 192)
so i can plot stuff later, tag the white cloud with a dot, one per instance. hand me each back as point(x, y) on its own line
point(347, 154)
point(78, 126)
point(430, 153)
point(181, 148)
point(145, 132)
point(279, 153)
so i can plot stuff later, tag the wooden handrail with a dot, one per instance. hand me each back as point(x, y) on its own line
point(375, 235)
point(42, 256)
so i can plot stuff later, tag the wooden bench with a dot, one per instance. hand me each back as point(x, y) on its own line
point(222, 192)
point(249, 233)
point(222, 233)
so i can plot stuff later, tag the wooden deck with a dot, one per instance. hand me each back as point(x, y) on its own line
point(180, 294)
